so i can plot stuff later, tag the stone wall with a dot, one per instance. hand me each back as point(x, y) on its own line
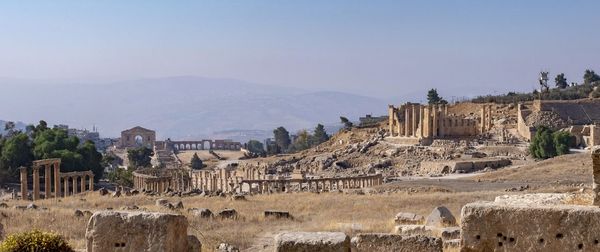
point(501, 226)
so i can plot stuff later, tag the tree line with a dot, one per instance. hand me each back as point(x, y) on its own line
point(283, 143)
point(20, 148)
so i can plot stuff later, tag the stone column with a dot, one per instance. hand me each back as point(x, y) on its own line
point(83, 184)
point(434, 124)
point(391, 119)
point(489, 117)
point(442, 119)
point(596, 172)
point(75, 178)
point(414, 121)
point(66, 185)
point(36, 183)
point(56, 166)
point(406, 120)
point(483, 119)
point(24, 188)
point(47, 181)
point(421, 121)
point(92, 182)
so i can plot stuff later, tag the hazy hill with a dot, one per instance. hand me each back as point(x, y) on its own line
point(178, 107)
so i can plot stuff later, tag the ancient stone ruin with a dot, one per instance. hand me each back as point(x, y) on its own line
point(139, 231)
point(253, 180)
point(423, 123)
point(53, 179)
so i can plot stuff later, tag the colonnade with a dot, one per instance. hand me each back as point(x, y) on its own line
point(175, 180)
point(53, 179)
point(320, 184)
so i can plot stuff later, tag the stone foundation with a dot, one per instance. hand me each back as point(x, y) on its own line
point(312, 241)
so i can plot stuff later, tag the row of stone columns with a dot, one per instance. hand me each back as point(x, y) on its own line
point(74, 179)
point(51, 169)
point(265, 186)
point(486, 118)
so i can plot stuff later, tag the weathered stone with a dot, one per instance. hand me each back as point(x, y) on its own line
point(194, 244)
point(225, 247)
point(136, 231)
point(408, 230)
point(102, 191)
point(488, 226)
point(201, 212)
point(116, 194)
point(3, 205)
point(395, 242)
point(441, 217)
point(32, 206)
point(596, 175)
point(179, 205)
point(452, 245)
point(135, 192)
point(403, 218)
point(20, 207)
point(78, 213)
point(312, 241)
point(236, 197)
point(227, 213)
point(277, 214)
point(87, 213)
point(162, 202)
point(449, 233)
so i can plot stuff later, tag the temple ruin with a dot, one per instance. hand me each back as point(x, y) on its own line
point(418, 123)
point(137, 136)
point(72, 182)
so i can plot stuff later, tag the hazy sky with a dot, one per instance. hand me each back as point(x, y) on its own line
point(376, 48)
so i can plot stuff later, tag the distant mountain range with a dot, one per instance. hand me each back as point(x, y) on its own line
point(180, 107)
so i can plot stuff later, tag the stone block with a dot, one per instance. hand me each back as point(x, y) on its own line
point(441, 217)
point(312, 241)
point(395, 242)
point(492, 226)
point(403, 218)
point(201, 212)
point(136, 231)
point(277, 214)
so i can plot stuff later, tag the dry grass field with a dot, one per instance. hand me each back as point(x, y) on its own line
point(312, 212)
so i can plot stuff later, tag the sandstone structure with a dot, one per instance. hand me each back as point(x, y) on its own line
point(463, 166)
point(204, 144)
point(596, 175)
point(394, 242)
point(136, 137)
point(441, 217)
point(72, 182)
point(423, 123)
point(137, 231)
point(312, 241)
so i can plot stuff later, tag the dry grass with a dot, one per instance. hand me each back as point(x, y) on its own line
point(572, 168)
point(312, 212)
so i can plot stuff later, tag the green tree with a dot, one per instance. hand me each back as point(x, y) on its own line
point(196, 162)
point(542, 144)
point(561, 81)
point(319, 135)
point(121, 176)
point(139, 157)
point(347, 123)
point(91, 158)
point(255, 146)
point(590, 77)
point(282, 138)
point(302, 141)
point(16, 152)
point(562, 141)
point(434, 98)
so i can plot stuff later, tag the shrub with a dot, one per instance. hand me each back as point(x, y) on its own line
point(35, 240)
point(546, 143)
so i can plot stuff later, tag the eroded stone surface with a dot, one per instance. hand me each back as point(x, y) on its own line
point(490, 226)
point(441, 217)
point(136, 231)
point(536, 199)
point(395, 242)
point(408, 219)
point(312, 241)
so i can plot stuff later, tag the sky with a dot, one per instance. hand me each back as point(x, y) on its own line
point(375, 48)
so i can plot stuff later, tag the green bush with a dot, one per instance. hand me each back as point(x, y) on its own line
point(35, 240)
point(546, 143)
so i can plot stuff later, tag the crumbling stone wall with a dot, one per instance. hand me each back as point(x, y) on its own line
point(596, 174)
